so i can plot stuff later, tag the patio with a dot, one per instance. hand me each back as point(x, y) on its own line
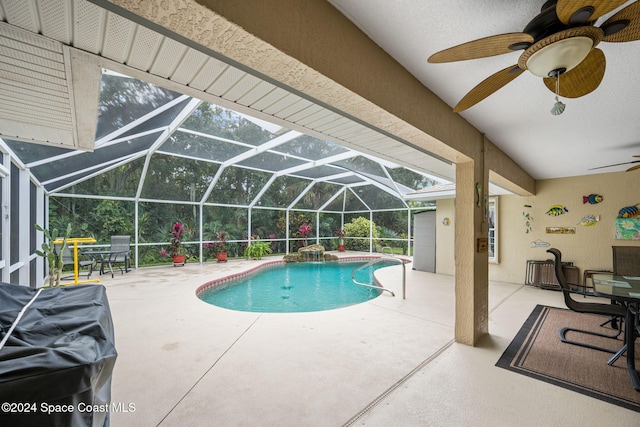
point(385, 362)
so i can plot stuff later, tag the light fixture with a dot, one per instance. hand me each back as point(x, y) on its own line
point(558, 107)
point(563, 54)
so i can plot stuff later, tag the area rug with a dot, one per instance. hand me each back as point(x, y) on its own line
point(536, 351)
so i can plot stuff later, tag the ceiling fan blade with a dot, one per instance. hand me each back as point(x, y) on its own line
point(617, 164)
point(582, 11)
point(581, 80)
point(629, 33)
point(482, 48)
point(632, 168)
point(487, 87)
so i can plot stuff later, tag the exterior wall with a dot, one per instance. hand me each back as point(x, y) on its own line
point(589, 247)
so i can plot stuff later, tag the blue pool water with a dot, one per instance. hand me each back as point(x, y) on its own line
point(296, 287)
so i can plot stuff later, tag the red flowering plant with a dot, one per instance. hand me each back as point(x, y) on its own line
point(175, 239)
point(220, 245)
point(340, 234)
point(305, 230)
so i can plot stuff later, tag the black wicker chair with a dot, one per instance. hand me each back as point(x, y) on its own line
point(626, 260)
point(612, 310)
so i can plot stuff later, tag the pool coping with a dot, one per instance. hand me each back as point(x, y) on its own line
point(226, 279)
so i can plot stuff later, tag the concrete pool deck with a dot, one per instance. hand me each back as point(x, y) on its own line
point(388, 361)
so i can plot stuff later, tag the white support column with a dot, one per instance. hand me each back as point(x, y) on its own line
point(24, 225)
point(370, 232)
point(408, 231)
point(286, 213)
point(137, 230)
point(6, 218)
point(42, 206)
point(201, 231)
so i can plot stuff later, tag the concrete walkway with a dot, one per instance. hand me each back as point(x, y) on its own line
point(386, 362)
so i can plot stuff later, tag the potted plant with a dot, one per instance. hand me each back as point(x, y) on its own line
point(175, 242)
point(340, 234)
point(220, 246)
point(257, 248)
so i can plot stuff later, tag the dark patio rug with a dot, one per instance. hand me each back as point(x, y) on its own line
point(536, 351)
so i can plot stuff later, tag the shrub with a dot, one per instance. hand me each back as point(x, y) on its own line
point(359, 228)
point(257, 248)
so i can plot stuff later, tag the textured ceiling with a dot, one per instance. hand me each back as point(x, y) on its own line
point(598, 129)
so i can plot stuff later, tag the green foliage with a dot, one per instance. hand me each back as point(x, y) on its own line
point(176, 178)
point(402, 243)
point(257, 248)
point(124, 100)
point(54, 259)
point(411, 179)
point(359, 227)
point(99, 219)
point(112, 219)
point(232, 220)
point(264, 222)
point(296, 220)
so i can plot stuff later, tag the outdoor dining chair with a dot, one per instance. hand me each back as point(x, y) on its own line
point(118, 255)
point(626, 260)
point(612, 310)
point(85, 265)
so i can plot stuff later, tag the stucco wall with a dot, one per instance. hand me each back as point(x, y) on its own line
point(588, 248)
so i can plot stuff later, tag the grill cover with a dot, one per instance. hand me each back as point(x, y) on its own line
point(55, 369)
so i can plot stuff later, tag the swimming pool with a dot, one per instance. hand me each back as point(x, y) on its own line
point(295, 287)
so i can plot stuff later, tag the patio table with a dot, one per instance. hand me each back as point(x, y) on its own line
point(108, 257)
point(625, 289)
point(75, 241)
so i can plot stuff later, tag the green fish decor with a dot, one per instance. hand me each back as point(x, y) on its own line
point(629, 211)
point(589, 220)
point(592, 199)
point(557, 210)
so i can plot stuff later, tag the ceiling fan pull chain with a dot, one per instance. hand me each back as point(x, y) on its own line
point(558, 107)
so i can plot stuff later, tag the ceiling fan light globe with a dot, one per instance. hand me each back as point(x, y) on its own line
point(566, 53)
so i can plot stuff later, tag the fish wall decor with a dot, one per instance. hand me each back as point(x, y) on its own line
point(592, 199)
point(556, 210)
point(629, 211)
point(589, 220)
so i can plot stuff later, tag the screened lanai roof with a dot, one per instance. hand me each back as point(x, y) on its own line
point(155, 144)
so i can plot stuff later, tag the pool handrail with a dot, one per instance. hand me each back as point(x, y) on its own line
point(387, 247)
point(375, 261)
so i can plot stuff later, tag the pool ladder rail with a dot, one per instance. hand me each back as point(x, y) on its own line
point(391, 257)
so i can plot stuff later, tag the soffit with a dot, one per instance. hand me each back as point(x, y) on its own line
point(132, 49)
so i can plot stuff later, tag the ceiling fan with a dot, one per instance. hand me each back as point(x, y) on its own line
point(632, 168)
point(560, 41)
